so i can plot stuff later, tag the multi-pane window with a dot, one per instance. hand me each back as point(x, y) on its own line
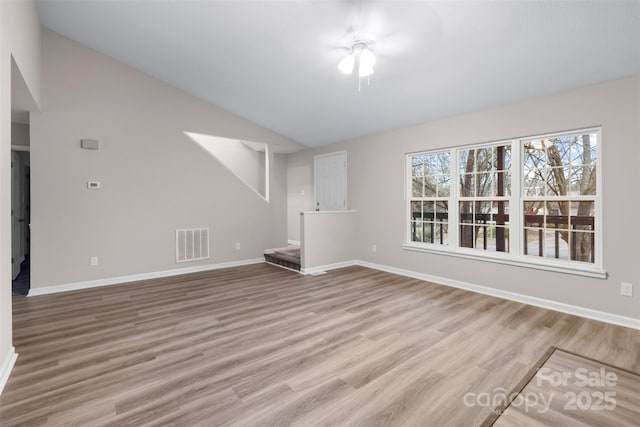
point(533, 200)
point(430, 191)
point(483, 199)
point(559, 196)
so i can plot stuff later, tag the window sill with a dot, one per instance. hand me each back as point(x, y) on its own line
point(547, 264)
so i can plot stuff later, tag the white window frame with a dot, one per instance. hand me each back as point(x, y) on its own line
point(516, 244)
point(410, 197)
point(490, 198)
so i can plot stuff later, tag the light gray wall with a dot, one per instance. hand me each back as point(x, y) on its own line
point(154, 178)
point(327, 238)
point(239, 157)
point(20, 39)
point(376, 190)
point(21, 31)
point(19, 134)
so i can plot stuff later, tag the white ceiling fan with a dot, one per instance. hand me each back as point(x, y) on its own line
point(361, 52)
point(376, 31)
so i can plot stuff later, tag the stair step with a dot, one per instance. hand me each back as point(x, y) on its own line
point(284, 257)
point(282, 262)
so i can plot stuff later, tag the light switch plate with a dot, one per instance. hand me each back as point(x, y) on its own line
point(89, 144)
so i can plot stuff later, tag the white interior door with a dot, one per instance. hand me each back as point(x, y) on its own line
point(331, 181)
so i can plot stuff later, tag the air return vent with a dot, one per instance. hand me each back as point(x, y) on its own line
point(192, 244)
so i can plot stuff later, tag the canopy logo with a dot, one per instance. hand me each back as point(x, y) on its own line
point(597, 393)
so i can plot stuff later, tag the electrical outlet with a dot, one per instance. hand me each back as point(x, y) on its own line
point(374, 248)
point(94, 260)
point(626, 289)
point(237, 246)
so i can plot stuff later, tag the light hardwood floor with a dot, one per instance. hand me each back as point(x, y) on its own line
point(259, 345)
point(570, 390)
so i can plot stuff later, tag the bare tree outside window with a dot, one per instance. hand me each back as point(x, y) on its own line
point(466, 200)
point(430, 191)
point(559, 196)
point(485, 186)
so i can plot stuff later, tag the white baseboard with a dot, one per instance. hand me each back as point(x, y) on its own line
point(7, 366)
point(325, 268)
point(588, 313)
point(293, 242)
point(137, 277)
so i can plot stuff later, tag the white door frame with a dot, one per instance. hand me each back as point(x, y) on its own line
point(315, 177)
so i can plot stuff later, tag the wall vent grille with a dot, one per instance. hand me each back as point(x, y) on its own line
point(192, 244)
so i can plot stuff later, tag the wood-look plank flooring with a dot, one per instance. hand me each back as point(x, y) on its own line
point(262, 346)
point(570, 390)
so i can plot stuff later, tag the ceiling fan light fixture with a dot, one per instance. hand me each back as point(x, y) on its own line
point(362, 55)
point(364, 70)
point(347, 64)
point(367, 58)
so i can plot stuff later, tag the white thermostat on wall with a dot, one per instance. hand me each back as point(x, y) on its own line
point(93, 184)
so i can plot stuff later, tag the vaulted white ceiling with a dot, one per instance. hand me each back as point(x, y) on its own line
point(275, 62)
